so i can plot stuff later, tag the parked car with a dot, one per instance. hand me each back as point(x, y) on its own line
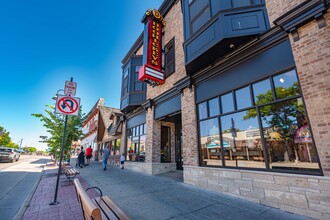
point(9, 154)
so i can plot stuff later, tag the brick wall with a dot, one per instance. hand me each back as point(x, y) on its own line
point(312, 57)
point(189, 128)
point(173, 28)
point(276, 8)
point(152, 137)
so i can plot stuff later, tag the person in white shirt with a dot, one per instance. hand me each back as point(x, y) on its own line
point(122, 161)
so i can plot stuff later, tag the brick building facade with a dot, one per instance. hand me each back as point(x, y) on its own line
point(245, 151)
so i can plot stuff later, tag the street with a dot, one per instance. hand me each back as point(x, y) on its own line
point(17, 182)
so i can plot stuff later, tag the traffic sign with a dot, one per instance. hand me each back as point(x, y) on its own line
point(70, 88)
point(67, 105)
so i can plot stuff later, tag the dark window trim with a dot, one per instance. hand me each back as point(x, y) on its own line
point(192, 20)
point(170, 48)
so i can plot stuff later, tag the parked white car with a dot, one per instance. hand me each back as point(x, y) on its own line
point(9, 154)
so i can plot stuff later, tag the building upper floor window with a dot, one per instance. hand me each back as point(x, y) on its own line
point(199, 13)
point(138, 85)
point(125, 84)
point(170, 57)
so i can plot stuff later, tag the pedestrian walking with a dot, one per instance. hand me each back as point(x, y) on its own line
point(106, 154)
point(81, 157)
point(89, 154)
point(122, 161)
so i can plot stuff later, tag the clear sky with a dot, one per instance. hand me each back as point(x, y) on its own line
point(44, 43)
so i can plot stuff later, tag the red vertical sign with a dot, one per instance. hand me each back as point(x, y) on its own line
point(151, 71)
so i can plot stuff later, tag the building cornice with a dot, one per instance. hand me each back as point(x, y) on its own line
point(302, 14)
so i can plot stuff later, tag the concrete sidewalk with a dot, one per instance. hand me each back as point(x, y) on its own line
point(144, 197)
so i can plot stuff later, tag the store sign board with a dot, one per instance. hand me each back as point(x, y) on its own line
point(151, 72)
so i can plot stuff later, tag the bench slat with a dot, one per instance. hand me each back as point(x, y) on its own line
point(90, 209)
point(105, 211)
point(113, 206)
point(98, 208)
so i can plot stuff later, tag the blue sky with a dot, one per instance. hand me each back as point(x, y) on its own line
point(44, 43)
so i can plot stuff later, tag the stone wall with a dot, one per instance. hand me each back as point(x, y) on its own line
point(150, 168)
point(312, 56)
point(301, 194)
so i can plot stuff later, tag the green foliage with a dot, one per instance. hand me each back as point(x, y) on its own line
point(5, 139)
point(54, 123)
point(281, 115)
point(30, 149)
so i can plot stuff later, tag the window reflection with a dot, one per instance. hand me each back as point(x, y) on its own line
point(243, 149)
point(210, 142)
point(136, 143)
point(227, 103)
point(202, 110)
point(243, 98)
point(214, 107)
point(262, 92)
point(288, 137)
point(286, 85)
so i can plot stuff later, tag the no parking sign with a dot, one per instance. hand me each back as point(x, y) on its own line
point(67, 105)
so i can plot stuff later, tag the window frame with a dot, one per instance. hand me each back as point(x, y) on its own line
point(258, 116)
point(168, 50)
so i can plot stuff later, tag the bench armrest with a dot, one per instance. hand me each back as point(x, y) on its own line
point(94, 187)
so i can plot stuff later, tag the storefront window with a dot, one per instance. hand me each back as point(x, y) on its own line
point(288, 138)
point(202, 110)
point(286, 85)
point(136, 143)
point(243, 98)
point(210, 142)
point(262, 92)
point(227, 103)
point(242, 141)
point(214, 107)
point(272, 133)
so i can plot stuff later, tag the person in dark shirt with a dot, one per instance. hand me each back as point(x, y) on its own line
point(81, 157)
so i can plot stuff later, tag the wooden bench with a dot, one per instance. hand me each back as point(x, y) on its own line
point(114, 160)
point(70, 174)
point(98, 208)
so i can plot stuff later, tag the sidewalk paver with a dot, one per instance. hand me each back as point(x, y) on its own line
point(143, 196)
point(68, 207)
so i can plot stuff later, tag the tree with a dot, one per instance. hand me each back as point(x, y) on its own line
point(285, 117)
point(30, 149)
point(5, 139)
point(54, 123)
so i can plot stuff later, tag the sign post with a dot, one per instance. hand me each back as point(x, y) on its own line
point(66, 105)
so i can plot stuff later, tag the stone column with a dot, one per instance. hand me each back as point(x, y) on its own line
point(189, 128)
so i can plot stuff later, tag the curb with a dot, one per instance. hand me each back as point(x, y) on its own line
point(19, 215)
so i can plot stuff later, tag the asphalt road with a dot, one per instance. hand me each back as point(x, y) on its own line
point(18, 181)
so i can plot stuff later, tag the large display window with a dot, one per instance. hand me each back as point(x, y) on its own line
point(263, 125)
point(136, 140)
